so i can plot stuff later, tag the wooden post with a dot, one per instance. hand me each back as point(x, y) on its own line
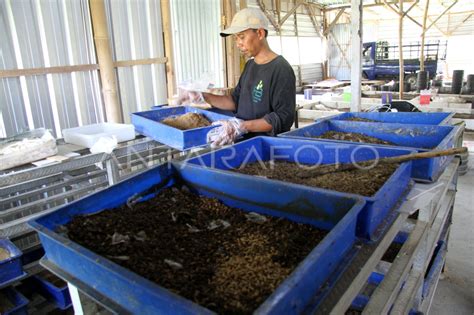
point(400, 48)
point(113, 111)
point(232, 53)
point(422, 54)
point(325, 44)
point(356, 42)
point(168, 42)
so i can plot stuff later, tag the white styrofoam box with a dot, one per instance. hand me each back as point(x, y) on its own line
point(88, 135)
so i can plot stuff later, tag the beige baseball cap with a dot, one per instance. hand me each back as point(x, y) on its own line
point(248, 18)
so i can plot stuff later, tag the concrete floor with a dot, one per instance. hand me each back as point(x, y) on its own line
point(455, 292)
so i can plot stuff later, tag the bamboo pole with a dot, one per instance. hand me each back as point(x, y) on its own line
point(168, 42)
point(365, 165)
point(113, 111)
point(400, 48)
point(422, 54)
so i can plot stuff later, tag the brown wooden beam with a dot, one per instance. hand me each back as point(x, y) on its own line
point(348, 6)
point(140, 62)
point(441, 15)
point(422, 52)
point(168, 43)
point(48, 70)
point(333, 23)
point(457, 26)
point(292, 11)
point(269, 17)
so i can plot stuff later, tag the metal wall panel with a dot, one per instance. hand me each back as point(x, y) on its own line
point(135, 31)
point(311, 73)
point(340, 52)
point(197, 45)
point(40, 34)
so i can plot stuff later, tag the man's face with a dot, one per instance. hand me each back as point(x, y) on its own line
point(249, 41)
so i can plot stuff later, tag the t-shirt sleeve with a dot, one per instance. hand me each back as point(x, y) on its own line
point(283, 102)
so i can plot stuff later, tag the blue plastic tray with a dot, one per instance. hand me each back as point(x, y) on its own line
point(59, 295)
point(420, 137)
point(18, 300)
point(400, 117)
point(311, 152)
point(323, 209)
point(213, 110)
point(11, 267)
point(148, 123)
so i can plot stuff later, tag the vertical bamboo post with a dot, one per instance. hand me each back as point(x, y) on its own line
point(106, 64)
point(400, 48)
point(168, 42)
point(232, 53)
point(422, 54)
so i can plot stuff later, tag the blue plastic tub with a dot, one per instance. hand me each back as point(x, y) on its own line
point(212, 110)
point(330, 211)
point(17, 299)
point(11, 267)
point(420, 137)
point(52, 288)
point(400, 117)
point(148, 123)
point(312, 152)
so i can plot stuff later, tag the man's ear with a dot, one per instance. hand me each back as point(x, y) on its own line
point(261, 33)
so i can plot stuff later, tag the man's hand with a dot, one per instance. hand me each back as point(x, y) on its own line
point(227, 132)
point(189, 97)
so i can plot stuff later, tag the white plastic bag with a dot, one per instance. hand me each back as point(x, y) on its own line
point(105, 145)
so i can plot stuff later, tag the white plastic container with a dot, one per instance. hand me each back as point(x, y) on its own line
point(88, 135)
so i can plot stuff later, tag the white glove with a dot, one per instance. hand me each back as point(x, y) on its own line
point(226, 132)
point(188, 97)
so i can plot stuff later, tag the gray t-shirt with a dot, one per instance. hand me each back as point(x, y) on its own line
point(267, 91)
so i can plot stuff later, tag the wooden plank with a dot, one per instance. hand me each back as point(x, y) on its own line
point(139, 62)
point(422, 53)
point(333, 23)
point(359, 271)
point(386, 292)
point(46, 70)
point(168, 42)
point(292, 11)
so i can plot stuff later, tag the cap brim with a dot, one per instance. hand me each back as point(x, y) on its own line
point(233, 30)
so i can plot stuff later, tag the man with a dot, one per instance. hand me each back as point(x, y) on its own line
point(264, 99)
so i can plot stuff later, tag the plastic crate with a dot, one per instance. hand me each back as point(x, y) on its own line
point(420, 137)
point(11, 267)
point(331, 211)
point(52, 288)
point(148, 123)
point(400, 117)
point(19, 302)
point(88, 135)
point(256, 149)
